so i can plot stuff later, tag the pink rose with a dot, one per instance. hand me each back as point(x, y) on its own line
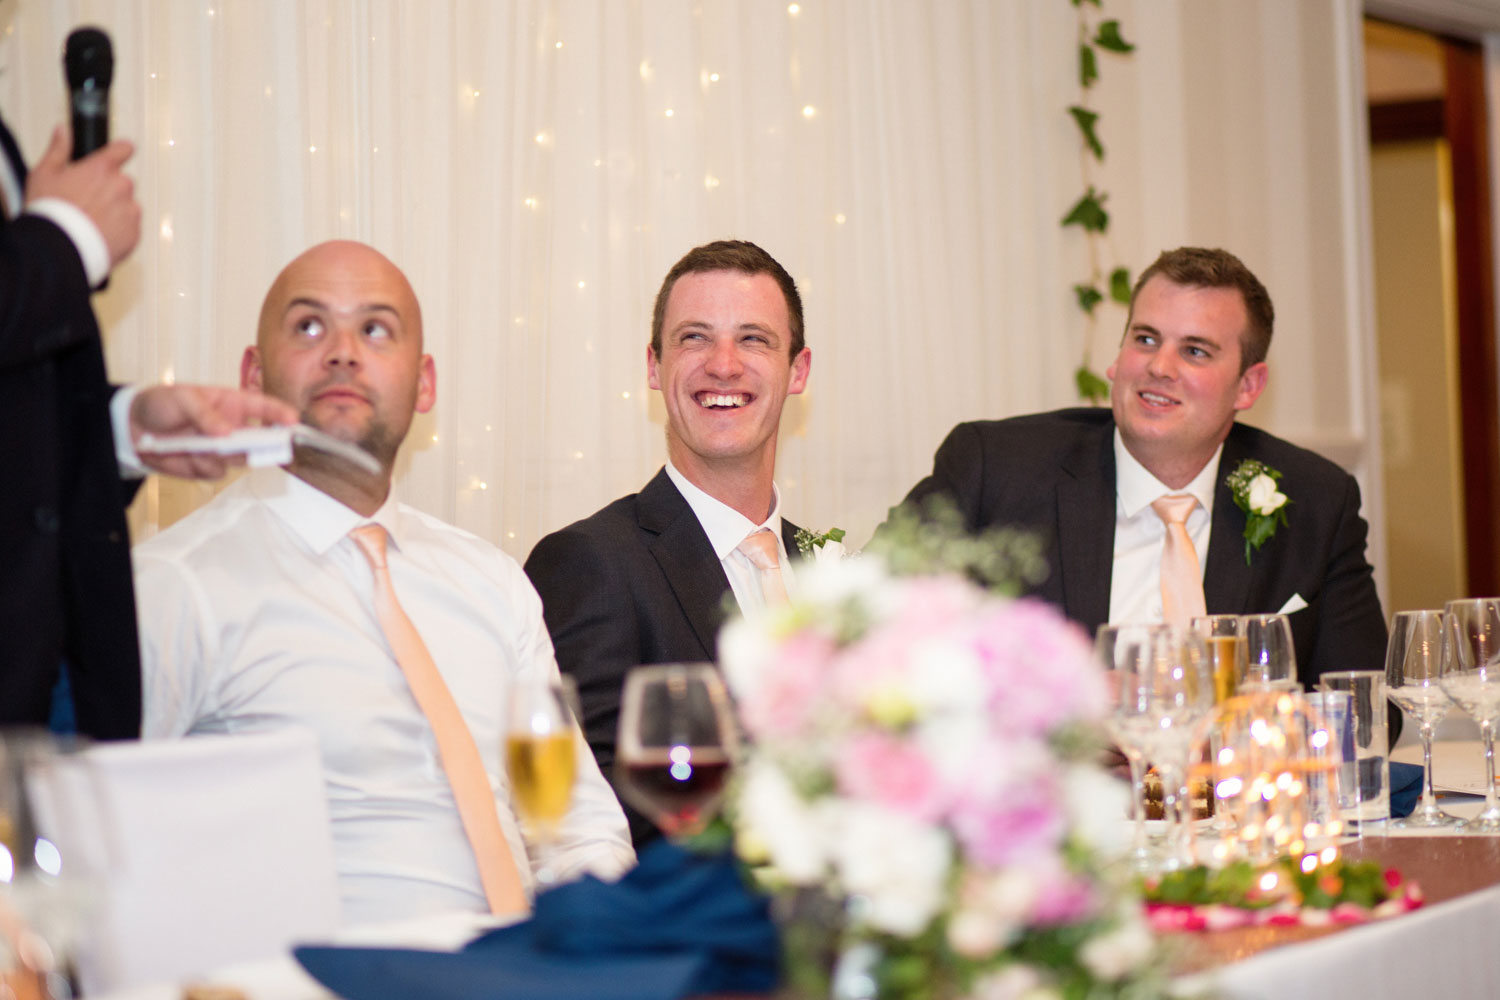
point(790, 690)
point(892, 773)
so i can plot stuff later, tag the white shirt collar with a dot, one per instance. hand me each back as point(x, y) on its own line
point(314, 516)
point(725, 526)
point(1136, 488)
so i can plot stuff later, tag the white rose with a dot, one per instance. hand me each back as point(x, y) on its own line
point(898, 865)
point(1115, 954)
point(1264, 497)
point(829, 551)
point(780, 822)
point(1009, 983)
point(1095, 803)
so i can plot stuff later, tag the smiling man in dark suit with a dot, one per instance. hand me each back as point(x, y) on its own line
point(644, 580)
point(1192, 357)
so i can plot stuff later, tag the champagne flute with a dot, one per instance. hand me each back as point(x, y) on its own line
point(541, 759)
point(1229, 656)
point(677, 741)
point(1270, 657)
point(1471, 677)
point(1122, 648)
point(1414, 667)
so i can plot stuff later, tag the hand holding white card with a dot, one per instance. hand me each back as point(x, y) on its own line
point(261, 446)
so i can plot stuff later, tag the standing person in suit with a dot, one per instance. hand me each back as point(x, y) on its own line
point(1192, 357)
point(66, 444)
point(644, 580)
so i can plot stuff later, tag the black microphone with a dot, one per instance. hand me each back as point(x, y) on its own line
point(89, 64)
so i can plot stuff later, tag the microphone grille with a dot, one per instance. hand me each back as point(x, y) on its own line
point(88, 57)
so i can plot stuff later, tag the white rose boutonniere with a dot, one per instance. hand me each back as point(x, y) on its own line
point(825, 547)
point(1255, 492)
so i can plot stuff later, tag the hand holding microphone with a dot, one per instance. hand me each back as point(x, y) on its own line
point(94, 181)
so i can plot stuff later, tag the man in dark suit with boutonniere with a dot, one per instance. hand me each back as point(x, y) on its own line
point(1163, 506)
point(644, 579)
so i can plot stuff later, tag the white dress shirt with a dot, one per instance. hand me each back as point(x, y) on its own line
point(726, 528)
point(1135, 584)
point(257, 613)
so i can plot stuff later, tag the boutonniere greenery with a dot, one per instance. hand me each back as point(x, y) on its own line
point(1253, 485)
point(807, 541)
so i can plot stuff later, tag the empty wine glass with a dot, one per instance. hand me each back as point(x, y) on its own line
point(1471, 677)
point(1270, 657)
point(1164, 691)
point(677, 741)
point(541, 759)
point(1121, 648)
point(1414, 667)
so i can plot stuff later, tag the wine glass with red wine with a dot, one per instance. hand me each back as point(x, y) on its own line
point(677, 742)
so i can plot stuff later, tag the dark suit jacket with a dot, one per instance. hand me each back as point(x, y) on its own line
point(1055, 473)
point(637, 582)
point(65, 588)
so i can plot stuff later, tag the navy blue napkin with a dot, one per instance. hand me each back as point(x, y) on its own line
point(1406, 787)
point(678, 924)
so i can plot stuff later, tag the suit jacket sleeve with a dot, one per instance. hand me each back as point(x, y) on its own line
point(44, 294)
point(957, 473)
point(1350, 627)
point(587, 604)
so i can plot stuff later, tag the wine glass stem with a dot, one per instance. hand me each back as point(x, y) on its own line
point(1138, 800)
point(1172, 809)
point(1487, 730)
point(1429, 800)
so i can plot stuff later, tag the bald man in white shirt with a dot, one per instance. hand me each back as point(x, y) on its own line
point(260, 611)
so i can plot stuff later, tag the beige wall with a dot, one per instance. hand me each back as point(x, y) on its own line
point(1414, 282)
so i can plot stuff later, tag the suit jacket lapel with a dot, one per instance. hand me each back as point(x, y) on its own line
point(1226, 578)
point(1086, 526)
point(687, 560)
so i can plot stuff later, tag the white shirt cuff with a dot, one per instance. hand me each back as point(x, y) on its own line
point(87, 239)
point(119, 421)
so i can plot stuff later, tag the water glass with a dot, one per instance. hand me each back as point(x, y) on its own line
point(1122, 648)
point(1365, 788)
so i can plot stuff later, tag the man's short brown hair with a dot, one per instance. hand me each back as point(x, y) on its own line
point(1200, 267)
point(730, 255)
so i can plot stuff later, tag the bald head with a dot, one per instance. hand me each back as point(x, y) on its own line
point(349, 267)
point(340, 338)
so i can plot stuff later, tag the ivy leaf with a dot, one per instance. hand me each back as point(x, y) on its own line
point(1085, 120)
point(1090, 386)
point(1108, 37)
point(1089, 212)
point(1088, 66)
point(1080, 3)
point(1088, 297)
point(1119, 285)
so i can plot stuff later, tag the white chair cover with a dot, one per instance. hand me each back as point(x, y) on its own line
point(198, 852)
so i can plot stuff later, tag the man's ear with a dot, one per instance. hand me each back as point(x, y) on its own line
point(250, 370)
point(651, 376)
point(1252, 384)
point(426, 384)
point(801, 368)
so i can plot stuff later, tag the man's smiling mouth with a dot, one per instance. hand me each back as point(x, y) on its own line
point(1155, 399)
point(722, 400)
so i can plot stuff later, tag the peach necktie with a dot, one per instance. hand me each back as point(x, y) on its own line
point(456, 747)
point(1181, 576)
point(760, 548)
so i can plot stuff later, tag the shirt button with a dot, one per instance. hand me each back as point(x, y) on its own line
point(46, 520)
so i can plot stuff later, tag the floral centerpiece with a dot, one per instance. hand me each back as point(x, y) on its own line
point(921, 753)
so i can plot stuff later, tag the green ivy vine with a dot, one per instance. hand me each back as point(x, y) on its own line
point(1088, 212)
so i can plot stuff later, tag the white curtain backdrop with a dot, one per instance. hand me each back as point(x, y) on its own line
point(536, 166)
